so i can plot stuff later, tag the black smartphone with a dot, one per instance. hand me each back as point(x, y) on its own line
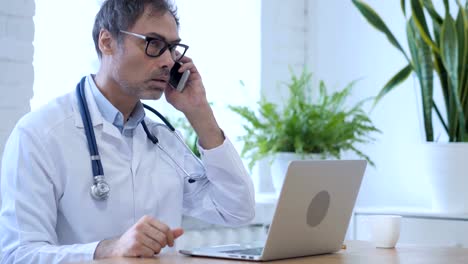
point(178, 79)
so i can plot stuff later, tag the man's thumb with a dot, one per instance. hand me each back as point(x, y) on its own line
point(177, 232)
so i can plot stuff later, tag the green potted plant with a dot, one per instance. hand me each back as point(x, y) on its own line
point(309, 122)
point(444, 51)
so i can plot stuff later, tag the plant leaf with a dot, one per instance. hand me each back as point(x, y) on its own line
point(439, 115)
point(446, 5)
point(400, 77)
point(443, 79)
point(420, 21)
point(374, 19)
point(403, 6)
point(423, 66)
point(436, 30)
point(432, 12)
point(462, 34)
point(449, 55)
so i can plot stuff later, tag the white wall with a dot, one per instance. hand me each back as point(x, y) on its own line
point(284, 43)
point(16, 70)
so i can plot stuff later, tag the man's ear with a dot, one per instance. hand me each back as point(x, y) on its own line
point(107, 44)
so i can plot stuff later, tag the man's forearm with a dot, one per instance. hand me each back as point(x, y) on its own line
point(204, 123)
point(41, 253)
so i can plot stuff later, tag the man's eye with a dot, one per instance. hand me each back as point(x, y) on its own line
point(157, 44)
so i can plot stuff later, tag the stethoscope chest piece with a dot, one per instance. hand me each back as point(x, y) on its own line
point(100, 189)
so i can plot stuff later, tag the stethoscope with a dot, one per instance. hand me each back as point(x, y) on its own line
point(100, 188)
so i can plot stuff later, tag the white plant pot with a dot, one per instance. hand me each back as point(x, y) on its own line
point(447, 167)
point(281, 163)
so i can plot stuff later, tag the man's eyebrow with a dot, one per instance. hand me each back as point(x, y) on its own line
point(156, 35)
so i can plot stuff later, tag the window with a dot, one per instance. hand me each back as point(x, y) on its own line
point(63, 47)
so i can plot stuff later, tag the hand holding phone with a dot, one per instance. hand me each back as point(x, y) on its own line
point(176, 79)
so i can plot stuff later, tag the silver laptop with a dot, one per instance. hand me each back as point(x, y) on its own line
point(311, 217)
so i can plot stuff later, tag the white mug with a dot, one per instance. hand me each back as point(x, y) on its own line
point(384, 230)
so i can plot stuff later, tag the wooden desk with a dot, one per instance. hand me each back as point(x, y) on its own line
point(358, 252)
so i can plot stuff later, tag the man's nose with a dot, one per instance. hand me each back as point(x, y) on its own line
point(167, 60)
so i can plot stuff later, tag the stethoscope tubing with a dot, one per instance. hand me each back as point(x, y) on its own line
point(191, 178)
point(89, 131)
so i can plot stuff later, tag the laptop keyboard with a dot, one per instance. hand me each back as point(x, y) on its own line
point(248, 251)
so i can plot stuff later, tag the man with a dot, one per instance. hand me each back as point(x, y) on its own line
point(48, 214)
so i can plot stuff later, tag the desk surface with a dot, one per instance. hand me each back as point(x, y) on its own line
point(356, 252)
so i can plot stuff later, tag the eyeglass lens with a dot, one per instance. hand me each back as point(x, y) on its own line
point(156, 47)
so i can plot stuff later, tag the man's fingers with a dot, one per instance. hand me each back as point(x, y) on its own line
point(185, 59)
point(155, 234)
point(158, 225)
point(165, 230)
point(149, 243)
point(170, 238)
point(188, 66)
point(138, 245)
point(159, 232)
point(177, 232)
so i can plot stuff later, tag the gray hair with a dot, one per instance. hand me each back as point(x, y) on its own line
point(116, 15)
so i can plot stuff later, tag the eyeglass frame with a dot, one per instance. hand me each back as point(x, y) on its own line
point(167, 45)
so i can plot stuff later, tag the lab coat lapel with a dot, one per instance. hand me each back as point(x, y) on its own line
point(113, 132)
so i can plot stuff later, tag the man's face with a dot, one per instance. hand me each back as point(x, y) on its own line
point(137, 74)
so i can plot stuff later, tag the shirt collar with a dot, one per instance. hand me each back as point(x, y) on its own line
point(112, 115)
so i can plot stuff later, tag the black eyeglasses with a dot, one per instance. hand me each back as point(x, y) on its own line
point(155, 47)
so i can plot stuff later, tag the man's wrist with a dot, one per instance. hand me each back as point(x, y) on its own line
point(105, 249)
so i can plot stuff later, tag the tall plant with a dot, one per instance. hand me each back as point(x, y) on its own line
point(444, 51)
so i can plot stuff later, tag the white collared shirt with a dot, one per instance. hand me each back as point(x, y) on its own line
point(48, 215)
point(111, 114)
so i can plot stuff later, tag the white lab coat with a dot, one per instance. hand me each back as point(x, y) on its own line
point(48, 215)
